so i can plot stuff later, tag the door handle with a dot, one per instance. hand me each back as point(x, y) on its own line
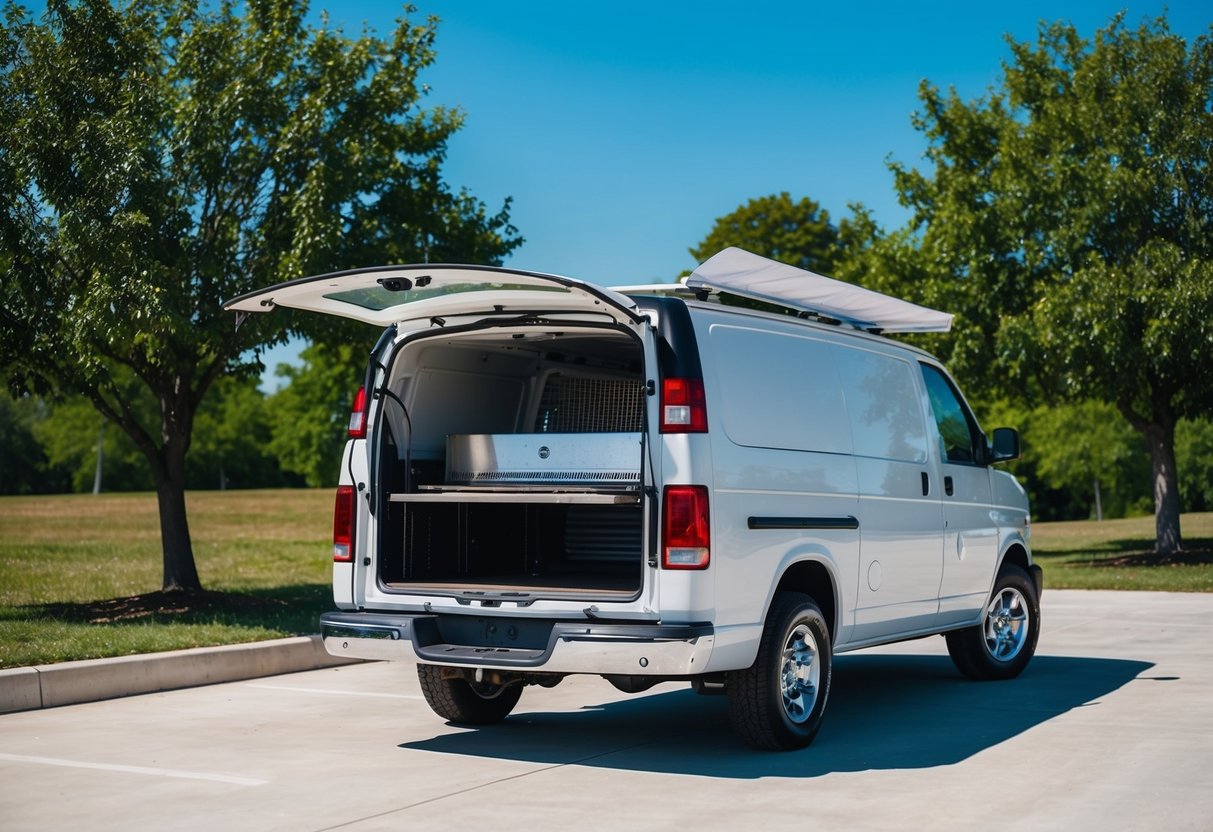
point(926, 484)
point(947, 486)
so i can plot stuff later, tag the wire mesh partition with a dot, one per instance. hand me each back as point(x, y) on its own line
point(577, 404)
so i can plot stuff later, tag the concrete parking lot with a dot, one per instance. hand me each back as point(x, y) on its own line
point(1111, 727)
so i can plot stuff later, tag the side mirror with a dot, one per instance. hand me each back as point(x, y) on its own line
point(1005, 445)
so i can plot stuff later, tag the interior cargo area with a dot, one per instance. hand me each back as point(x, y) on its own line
point(510, 460)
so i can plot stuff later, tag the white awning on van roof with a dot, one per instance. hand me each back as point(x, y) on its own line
point(739, 272)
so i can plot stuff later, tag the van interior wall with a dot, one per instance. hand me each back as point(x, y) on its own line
point(517, 382)
point(493, 384)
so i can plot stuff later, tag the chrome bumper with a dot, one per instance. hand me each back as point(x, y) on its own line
point(572, 647)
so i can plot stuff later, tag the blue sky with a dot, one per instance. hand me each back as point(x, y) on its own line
point(623, 130)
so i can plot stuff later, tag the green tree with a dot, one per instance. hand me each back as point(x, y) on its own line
point(1194, 452)
point(1085, 449)
point(311, 413)
point(23, 467)
point(231, 444)
point(1068, 217)
point(69, 436)
point(159, 156)
point(797, 233)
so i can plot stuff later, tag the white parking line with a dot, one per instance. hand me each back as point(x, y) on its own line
point(334, 691)
point(155, 772)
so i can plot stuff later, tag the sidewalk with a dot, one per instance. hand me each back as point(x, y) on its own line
point(68, 683)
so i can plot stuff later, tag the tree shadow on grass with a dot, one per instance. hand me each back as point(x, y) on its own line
point(885, 712)
point(1133, 552)
point(294, 608)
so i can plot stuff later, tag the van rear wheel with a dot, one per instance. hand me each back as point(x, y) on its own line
point(458, 700)
point(777, 703)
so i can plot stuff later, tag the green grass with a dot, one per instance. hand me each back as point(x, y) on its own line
point(80, 575)
point(1118, 554)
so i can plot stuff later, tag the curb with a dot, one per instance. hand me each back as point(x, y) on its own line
point(70, 683)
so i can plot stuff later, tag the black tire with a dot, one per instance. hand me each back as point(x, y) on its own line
point(457, 700)
point(1001, 646)
point(777, 703)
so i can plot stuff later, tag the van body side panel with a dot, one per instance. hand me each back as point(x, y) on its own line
point(785, 480)
point(900, 559)
point(901, 522)
point(970, 544)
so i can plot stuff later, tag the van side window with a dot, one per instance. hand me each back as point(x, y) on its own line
point(956, 429)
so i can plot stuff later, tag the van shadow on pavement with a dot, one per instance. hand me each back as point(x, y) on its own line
point(885, 712)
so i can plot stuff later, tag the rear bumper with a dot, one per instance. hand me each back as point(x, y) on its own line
point(572, 647)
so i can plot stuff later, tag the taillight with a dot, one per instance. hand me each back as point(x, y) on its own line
point(686, 539)
point(344, 516)
point(683, 406)
point(358, 413)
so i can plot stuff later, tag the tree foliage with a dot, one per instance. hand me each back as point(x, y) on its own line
point(70, 433)
point(311, 412)
point(1086, 450)
point(1068, 217)
point(797, 233)
point(1194, 451)
point(158, 156)
point(231, 444)
point(22, 458)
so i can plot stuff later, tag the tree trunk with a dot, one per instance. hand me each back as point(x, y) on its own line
point(168, 467)
point(1161, 439)
point(1098, 503)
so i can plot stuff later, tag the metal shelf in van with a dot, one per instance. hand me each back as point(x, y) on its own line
point(519, 494)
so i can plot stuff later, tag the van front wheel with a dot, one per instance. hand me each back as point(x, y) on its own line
point(457, 700)
point(777, 703)
point(1001, 646)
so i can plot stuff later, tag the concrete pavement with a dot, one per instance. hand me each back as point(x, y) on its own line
point(1110, 728)
point(70, 683)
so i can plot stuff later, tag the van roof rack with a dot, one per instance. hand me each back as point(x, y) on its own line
point(814, 296)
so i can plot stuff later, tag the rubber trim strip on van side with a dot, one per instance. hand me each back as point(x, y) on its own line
point(847, 522)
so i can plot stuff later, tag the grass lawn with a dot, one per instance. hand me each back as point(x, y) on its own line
point(1118, 554)
point(80, 575)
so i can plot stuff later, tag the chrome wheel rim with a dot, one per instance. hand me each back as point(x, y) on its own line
point(1007, 625)
point(800, 674)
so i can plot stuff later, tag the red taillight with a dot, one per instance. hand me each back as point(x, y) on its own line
point(686, 538)
point(683, 406)
point(358, 414)
point(344, 516)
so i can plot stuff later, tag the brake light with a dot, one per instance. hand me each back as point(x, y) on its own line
point(358, 414)
point(683, 406)
point(686, 537)
point(344, 517)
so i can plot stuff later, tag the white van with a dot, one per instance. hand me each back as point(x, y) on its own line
point(545, 477)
